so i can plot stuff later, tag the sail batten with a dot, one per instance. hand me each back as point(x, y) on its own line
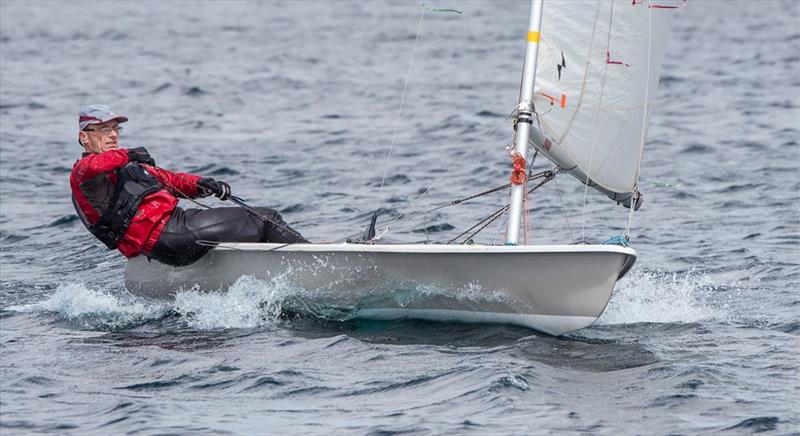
point(599, 64)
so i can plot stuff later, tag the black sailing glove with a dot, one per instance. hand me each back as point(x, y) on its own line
point(140, 154)
point(210, 186)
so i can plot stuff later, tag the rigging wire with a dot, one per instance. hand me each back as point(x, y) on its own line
point(463, 156)
point(403, 96)
point(482, 224)
point(564, 210)
point(500, 229)
point(426, 212)
point(458, 161)
point(545, 173)
point(461, 200)
point(399, 114)
point(636, 193)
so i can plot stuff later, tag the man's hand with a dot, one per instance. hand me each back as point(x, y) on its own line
point(210, 186)
point(140, 154)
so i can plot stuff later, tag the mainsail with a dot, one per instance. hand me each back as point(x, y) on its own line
point(598, 68)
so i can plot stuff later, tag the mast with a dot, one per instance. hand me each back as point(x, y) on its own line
point(524, 118)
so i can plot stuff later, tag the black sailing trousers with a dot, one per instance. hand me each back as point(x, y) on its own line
point(178, 243)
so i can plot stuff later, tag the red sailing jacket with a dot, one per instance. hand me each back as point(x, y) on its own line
point(93, 181)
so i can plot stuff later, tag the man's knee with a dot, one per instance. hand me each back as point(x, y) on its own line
point(269, 213)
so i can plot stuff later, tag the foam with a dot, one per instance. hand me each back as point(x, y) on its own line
point(92, 308)
point(248, 303)
point(643, 296)
point(662, 297)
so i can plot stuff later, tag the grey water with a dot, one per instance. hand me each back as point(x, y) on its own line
point(295, 104)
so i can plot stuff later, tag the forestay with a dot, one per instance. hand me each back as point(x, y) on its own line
point(598, 69)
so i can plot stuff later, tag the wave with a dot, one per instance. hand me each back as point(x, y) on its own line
point(96, 309)
point(663, 297)
point(643, 296)
point(248, 303)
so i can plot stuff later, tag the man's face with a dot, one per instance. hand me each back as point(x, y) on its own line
point(97, 138)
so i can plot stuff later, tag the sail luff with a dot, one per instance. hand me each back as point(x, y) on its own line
point(524, 118)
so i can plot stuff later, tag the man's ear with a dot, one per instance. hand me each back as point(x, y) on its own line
point(83, 138)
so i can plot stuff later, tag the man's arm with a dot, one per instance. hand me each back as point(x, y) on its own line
point(183, 185)
point(96, 164)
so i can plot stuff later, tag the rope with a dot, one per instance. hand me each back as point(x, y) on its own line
point(452, 203)
point(402, 97)
point(518, 176)
point(442, 176)
point(482, 193)
point(616, 240)
point(548, 175)
point(526, 212)
point(526, 218)
point(493, 216)
point(462, 200)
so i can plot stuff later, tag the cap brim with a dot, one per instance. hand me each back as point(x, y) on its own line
point(118, 118)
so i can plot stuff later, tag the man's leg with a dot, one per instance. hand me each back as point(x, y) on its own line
point(276, 229)
point(178, 243)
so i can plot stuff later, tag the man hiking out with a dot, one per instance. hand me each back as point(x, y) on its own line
point(130, 204)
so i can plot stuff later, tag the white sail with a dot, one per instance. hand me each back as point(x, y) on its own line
point(598, 70)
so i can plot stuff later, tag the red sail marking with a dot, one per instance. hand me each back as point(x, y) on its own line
point(562, 101)
point(609, 61)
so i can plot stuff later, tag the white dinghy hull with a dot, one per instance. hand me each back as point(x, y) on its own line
point(554, 289)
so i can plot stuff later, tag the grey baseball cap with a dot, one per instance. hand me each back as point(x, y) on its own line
point(96, 114)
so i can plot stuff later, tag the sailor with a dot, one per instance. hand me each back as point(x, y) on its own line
point(130, 204)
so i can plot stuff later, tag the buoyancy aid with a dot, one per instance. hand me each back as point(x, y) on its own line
point(134, 183)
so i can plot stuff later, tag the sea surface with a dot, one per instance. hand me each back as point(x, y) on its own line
point(295, 104)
